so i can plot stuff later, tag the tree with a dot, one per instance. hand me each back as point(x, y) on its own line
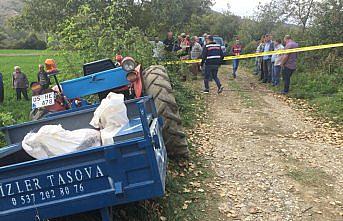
point(150, 16)
point(95, 35)
point(301, 11)
point(327, 23)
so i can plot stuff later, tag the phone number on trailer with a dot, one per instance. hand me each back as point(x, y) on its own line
point(47, 195)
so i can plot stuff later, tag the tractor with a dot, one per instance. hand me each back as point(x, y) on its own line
point(123, 76)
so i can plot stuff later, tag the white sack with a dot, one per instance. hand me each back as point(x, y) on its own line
point(110, 117)
point(53, 140)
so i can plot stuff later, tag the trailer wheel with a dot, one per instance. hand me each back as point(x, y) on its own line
point(157, 84)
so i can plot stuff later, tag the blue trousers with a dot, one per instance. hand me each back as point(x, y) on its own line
point(267, 70)
point(211, 70)
point(276, 73)
point(235, 65)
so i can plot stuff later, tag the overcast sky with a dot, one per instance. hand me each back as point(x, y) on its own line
point(238, 7)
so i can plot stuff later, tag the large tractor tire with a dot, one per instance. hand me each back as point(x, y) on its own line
point(157, 84)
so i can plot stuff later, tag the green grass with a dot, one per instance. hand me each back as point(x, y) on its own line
point(27, 52)
point(29, 65)
point(323, 90)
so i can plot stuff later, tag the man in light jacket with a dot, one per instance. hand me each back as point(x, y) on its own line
point(20, 83)
point(277, 63)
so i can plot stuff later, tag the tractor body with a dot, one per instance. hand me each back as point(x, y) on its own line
point(132, 169)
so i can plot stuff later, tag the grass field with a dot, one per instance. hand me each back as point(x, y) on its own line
point(28, 60)
point(25, 52)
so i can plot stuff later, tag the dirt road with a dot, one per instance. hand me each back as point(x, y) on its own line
point(272, 162)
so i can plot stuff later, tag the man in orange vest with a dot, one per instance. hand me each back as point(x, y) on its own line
point(236, 50)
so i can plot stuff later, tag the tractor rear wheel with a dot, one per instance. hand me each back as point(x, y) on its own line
point(157, 84)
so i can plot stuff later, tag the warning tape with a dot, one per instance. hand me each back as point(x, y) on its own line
point(254, 55)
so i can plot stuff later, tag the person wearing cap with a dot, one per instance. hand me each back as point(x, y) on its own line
point(236, 50)
point(20, 83)
point(212, 57)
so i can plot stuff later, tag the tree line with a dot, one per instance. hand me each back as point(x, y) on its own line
point(97, 28)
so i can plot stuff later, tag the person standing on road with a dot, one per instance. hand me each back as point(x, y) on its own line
point(20, 83)
point(258, 60)
point(267, 61)
point(236, 50)
point(261, 58)
point(289, 62)
point(196, 52)
point(43, 77)
point(277, 63)
point(212, 57)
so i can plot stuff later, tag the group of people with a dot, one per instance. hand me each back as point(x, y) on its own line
point(210, 52)
point(20, 82)
point(270, 67)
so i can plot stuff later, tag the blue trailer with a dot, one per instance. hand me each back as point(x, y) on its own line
point(132, 169)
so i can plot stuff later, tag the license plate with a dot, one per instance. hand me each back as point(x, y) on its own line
point(43, 100)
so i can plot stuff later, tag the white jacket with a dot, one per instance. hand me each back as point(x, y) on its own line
point(278, 58)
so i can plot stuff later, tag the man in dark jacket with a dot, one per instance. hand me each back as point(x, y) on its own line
point(43, 77)
point(169, 42)
point(212, 57)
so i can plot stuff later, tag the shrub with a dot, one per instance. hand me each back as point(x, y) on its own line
point(5, 119)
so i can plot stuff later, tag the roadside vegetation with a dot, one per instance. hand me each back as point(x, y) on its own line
point(323, 90)
point(85, 31)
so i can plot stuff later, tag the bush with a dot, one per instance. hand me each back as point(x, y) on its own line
point(5, 120)
point(251, 47)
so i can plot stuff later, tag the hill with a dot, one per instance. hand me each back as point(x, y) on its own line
point(9, 8)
